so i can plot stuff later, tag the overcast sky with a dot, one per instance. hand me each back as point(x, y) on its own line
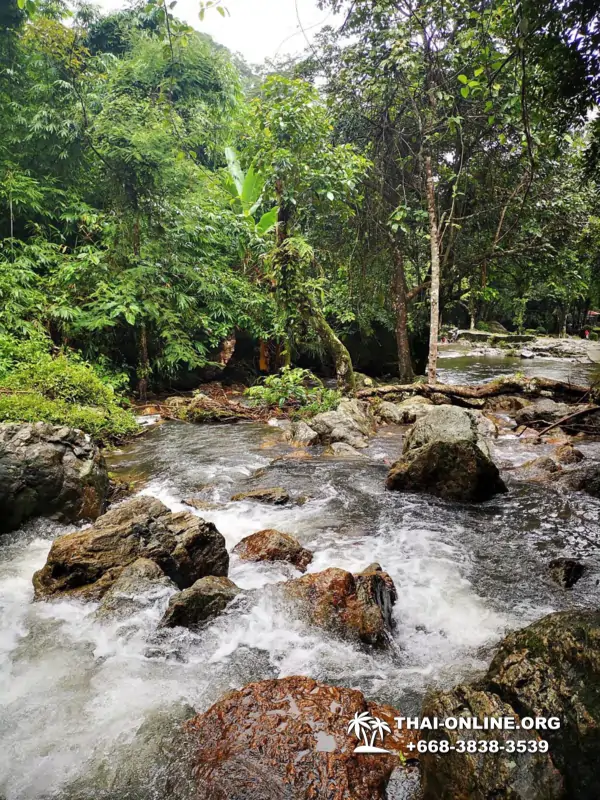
point(258, 29)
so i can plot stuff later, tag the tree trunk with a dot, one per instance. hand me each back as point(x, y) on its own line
point(400, 304)
point(227, 349)
point(341, 357)
point(435, 274)
point(143, 370)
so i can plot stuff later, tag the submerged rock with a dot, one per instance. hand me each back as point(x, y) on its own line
point(445, 455)
point(48, 470)
point(206, 599)
point(566, 571)
point(138, 586)
point(581, 479)
point(552, 669)
point(567, 454)
point(343, 450)
point(357, 607)
point(483, 775)
point(288, 738)
point(272, 545)
point(85, 564)
point(275, 496)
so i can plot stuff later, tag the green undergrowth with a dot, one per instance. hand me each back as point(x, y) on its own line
point(296, 391)
point(37, 385)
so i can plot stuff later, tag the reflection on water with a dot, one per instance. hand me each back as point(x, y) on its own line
point(88, 708)
point(455, 367)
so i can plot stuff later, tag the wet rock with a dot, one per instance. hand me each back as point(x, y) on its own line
point(288, 738)
point(275, 496)
point(538, 469)
point(343, 450)
point(567, 454)
point(48, 470)
point(85, 564)
point(352, 422)
point(486, 427)
point(357, 607)
point(445, 455)
point(552, 669)
point(412, 409)
point(483, 776)
point(200, 505)
point(282, 424)
point(542, 413)
point(272, 545)
point(303, 434)
point(138, 586)
point(581, 479)
point(566, 571)
point(390, 413)
point(203, 601)
point(506, 402)
point(118, 489)
point(526, 354)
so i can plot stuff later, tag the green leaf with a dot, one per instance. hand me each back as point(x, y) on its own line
point(463, 79)
point(465, 91)
point(235, 169)
point(330, 196)
point(267, 222)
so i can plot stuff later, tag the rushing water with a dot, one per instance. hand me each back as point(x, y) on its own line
point(87, 708)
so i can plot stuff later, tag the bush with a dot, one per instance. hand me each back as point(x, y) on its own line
point(103, 424)
point(296, 390)
point(64, 390)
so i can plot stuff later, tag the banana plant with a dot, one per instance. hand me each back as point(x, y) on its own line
point(246, 190)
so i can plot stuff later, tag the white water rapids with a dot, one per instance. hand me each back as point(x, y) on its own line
point(86, 707)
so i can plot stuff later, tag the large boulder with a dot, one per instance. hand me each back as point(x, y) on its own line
point(85, 564)
point(483, 775)
point(203, 601)
point(552, 669)
point(288, 738)
point(138, 587)
point(47, 470)
point(272, 545)
point(357, 607)
point(445, 455)
point(352, 422)
point(301, 433)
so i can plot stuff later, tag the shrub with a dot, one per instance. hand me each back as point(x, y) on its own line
point(64, 390)
point(103, 424)
point(296, 390)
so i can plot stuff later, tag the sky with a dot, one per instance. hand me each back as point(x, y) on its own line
point(258, 29)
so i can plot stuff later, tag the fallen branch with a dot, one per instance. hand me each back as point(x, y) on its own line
point(578, 414)
point(533, 387)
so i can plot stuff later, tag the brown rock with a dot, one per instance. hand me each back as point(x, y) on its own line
point(456, 775)
point(275, 496)
point(272, 545)
point(201, 602)
point(567, 454)
point(86, 563)
point(200, 505)
point(358, 607)
point(284, 739)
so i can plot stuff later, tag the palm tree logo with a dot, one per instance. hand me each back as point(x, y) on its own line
point(363, 724)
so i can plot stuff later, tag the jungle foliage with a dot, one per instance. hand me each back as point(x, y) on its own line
point(426, 161)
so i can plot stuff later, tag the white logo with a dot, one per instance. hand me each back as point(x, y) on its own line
point(368, 728)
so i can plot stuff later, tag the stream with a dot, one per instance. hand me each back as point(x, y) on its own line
point(87, 708)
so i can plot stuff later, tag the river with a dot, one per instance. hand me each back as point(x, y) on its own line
point(87, 707)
